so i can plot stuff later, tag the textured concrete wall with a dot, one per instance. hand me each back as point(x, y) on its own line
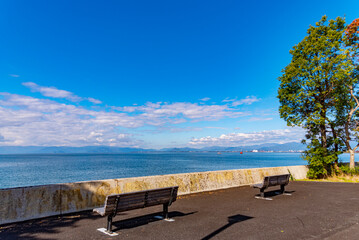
point(19, 204)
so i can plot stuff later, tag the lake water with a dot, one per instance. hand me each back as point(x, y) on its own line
point(38, 169)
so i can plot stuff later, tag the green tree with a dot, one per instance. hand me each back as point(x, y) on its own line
point(308, 92)
point(348, 103)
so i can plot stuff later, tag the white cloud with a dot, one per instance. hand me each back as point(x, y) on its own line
point(177, 129)
point(34, 121)
point(14, 75)
point(28, 120)
point(229, 100)
point(247, 101)
point(52, 92)
point(205, 99)
point(57, 93)
point(95, 101)
point(254, 119)
point(31, 121)
point(245, 139)
point(222, 128)
point(169, 112)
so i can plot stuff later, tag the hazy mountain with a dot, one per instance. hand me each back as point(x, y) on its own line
point(106, 149)
point(185, 149)
point(262, 147)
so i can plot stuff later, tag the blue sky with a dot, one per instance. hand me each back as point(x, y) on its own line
point(149, 74)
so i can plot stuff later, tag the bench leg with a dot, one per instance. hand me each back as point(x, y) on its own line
point(262, 192)
point(165, 211)
point(282, 189)
point(109, 223)
point(165, 214)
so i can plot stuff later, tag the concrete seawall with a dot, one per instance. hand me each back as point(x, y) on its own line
point(25, 203)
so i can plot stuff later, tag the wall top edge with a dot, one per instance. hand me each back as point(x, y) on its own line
point(145, 177)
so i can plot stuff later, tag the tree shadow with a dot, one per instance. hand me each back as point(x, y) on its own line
point(145, 219)
point(34, 229)
point(231, 220)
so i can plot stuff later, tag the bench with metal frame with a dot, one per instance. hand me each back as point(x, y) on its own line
point(116, 203)
point(270, 181)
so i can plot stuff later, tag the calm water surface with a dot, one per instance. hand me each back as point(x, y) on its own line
point(37, 169)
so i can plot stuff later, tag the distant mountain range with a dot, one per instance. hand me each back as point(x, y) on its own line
point(292, 146)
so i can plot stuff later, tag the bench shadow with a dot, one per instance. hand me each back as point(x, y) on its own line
point(274, 193)
point(143, 220)
point(231, 220)
point(34, 229)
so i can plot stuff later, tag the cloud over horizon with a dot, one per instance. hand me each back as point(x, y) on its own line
point(28, 120)
point(182, 110)
point(246, 139)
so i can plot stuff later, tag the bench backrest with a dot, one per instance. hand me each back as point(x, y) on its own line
point(276, 180)
point(133, 200)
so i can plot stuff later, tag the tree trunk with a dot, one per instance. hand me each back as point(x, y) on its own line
point(352, 156)
point(323, 128)
point(336, 145)
point(323, 133)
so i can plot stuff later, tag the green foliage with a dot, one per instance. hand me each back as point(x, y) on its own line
point(307, 82)
point(345, 169)
point(320, 160)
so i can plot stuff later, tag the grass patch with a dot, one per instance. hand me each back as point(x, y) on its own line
point(338, 178)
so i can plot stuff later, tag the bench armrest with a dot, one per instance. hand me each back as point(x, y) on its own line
point(100, 211)
point(258, 185)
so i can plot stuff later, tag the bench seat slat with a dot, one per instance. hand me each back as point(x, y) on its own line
point(270, 181)
point(110, 208)
point(137, 195)
point(134, 199)
point(158, 194)
point(129, 201)
point(273, 181)
point(159, 199)
point(137, 205)
point(111, 201)
point(111, 197)
point(124, 209)
point(153, 203)
point(130, 206)
point(139, 199)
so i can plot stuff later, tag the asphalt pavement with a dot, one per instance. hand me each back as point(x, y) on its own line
point(314, 210)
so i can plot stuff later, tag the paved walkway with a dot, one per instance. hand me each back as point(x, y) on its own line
point(316, 210)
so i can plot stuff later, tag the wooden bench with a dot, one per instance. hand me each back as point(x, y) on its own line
point(270, 181)
point(133, 200)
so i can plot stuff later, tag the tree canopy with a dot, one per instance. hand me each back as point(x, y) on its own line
point(316, 91)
